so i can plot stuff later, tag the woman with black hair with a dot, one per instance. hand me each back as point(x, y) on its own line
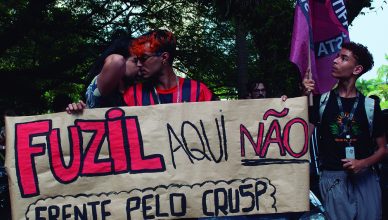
point(113, 71)
point(111, 74)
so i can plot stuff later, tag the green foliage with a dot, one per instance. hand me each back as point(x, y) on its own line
point(267, 59)
point(48, 46)
point(272, 38)
point(377, 86)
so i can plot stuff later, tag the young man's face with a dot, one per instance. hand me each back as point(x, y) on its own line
point(344, 65)
point(149, 63)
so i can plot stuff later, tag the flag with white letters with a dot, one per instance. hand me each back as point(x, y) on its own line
point(320, 27)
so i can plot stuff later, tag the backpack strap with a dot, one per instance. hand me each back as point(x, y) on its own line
point(322, 104)
point(369, 110)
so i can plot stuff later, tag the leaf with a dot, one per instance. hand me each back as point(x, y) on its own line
point(334, 128)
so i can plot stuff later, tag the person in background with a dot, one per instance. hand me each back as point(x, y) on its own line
point(382, 167)
point(5, 204)
point(258, 91)
point(384, 173)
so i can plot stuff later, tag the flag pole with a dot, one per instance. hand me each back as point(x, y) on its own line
point(309, 74)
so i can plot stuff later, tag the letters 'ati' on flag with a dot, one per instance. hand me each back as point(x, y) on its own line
point(319, 26)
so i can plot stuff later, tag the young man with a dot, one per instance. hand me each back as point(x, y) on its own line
point(348, 184)
point(155, 53)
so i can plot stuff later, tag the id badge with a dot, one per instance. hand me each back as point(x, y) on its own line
point(349, 151)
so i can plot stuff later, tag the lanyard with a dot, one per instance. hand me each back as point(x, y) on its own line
point(346, 120)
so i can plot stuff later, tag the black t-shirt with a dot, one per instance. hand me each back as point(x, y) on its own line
point(111, 100)
point(331, 143)
point(116, 98)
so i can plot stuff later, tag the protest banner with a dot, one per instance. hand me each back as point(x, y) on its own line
point(164, 161)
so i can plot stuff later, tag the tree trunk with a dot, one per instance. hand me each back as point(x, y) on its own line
point(242, 59)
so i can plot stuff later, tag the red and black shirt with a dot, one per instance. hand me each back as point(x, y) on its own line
point(143, 94)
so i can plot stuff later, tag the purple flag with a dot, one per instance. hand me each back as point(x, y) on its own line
point(320, 27)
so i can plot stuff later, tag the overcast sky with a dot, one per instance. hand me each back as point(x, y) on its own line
point(371, 30)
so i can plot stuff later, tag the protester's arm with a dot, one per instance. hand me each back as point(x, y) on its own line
point(76, 107)
point(111, 74)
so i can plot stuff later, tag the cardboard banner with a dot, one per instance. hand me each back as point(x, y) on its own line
point(185, 160)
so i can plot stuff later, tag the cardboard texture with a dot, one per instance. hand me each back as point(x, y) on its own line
point(165, 161)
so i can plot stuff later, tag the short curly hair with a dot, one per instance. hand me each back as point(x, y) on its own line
point(361, 54)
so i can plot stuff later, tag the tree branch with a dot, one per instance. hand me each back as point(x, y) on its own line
point(26, 21)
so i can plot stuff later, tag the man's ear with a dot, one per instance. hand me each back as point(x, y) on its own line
point(358, 70)
point(165, 56)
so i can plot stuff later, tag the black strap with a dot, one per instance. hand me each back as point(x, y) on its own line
point(134, 94)
point(146, 95)
point(186, 90)
point(348, 119)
